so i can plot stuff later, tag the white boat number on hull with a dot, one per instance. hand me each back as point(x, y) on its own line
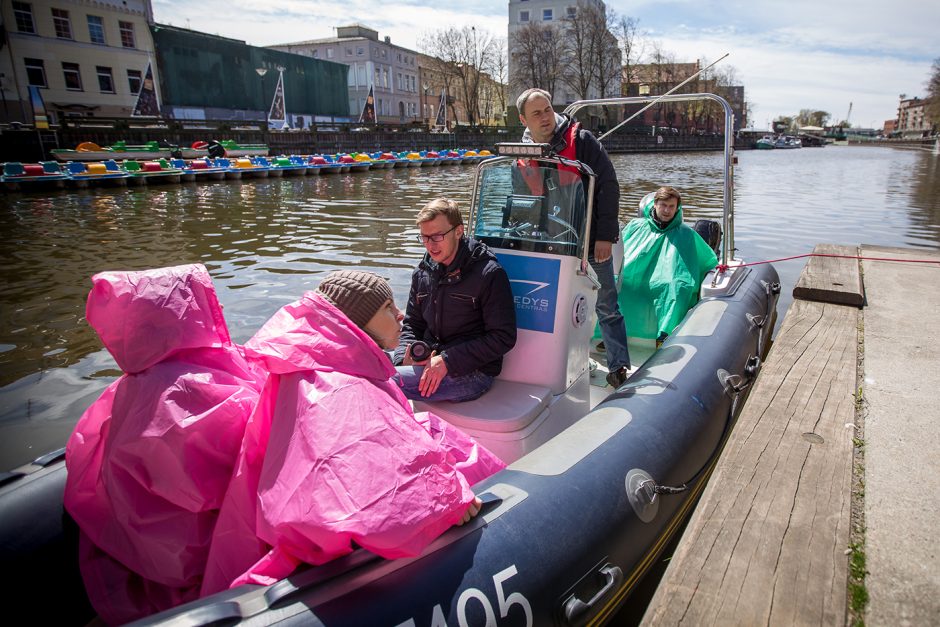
point(503, 602)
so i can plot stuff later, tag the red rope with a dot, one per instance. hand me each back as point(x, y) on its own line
point(722, 267)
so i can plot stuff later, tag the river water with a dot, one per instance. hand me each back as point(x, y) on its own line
point(267, 241)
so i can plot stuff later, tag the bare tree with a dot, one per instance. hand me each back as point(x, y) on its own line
point(539, 52)
point(579, 42)
point(933, 93)
point(499, 70)
point(460, 55)
point(632, 45)
point(608, 67)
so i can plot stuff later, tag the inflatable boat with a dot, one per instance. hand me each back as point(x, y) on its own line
point(599, 479)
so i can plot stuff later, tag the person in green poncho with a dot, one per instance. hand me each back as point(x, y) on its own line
point(664, 263)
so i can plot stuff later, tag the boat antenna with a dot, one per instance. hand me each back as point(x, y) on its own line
point(660, 97)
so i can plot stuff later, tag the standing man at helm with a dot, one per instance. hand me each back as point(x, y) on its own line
point(569, 140)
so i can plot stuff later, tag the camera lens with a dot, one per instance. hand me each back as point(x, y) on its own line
point(420, 351)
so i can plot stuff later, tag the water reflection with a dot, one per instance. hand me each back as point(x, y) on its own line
point(267, 241)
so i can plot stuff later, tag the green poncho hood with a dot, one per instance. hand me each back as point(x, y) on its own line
point(662, 272)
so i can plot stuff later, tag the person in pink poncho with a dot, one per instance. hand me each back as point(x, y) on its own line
point(150, 461)
point(334, 454)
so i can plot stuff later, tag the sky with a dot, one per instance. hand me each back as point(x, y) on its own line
point(800, 54)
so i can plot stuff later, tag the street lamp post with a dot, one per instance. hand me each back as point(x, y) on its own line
point(261, 72)
point(427, 118)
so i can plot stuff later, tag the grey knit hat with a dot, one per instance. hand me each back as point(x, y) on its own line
point(357, 294)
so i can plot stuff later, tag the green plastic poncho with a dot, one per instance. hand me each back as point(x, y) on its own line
point(662, 273)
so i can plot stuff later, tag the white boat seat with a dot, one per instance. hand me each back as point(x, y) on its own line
point(505, 408)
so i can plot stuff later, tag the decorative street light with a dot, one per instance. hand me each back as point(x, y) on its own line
point(261, 72)
point(427, 116)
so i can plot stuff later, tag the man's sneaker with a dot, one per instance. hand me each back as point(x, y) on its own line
point(616, 377)
point(600, 348)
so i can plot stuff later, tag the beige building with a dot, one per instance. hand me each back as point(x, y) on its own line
point(89, 58)
point(913, 120)
point(391, 69)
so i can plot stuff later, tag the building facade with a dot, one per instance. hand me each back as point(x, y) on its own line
point(88, 58)
point(654, 79)
point(526, 14)
point(390, 69)
point(913, 120)
point(210, 77)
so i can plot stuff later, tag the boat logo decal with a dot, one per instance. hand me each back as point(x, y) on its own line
point(534, 282)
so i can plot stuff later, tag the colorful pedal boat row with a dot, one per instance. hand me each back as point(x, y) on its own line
point(90, 151)
point(18, 176)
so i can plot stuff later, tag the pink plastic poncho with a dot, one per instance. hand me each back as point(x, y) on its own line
point(334, 455)
point(149, 462)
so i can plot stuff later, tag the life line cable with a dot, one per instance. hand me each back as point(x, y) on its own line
point(723, 267)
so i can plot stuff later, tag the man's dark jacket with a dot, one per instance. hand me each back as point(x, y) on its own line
point(605, 225)
point(464, 311)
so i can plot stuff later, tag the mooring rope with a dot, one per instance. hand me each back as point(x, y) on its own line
point(723, 267)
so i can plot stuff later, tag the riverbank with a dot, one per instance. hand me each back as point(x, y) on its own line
point(29, 145)
point(820, 508)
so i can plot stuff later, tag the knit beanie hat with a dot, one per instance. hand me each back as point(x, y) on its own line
point(357, 294)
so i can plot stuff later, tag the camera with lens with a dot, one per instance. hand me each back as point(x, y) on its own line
point(420, 351)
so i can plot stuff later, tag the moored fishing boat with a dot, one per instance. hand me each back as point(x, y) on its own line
point(764, 143)
point(599, 480)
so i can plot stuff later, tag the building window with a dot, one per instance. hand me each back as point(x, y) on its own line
point(360, 51)
point(348, 52)
point(547, 15)
point(523, 16)
point(23, 14)
point(35, 72)
point(329, 53)
point(62, 23)
point(73, 78)
point(316, 53)
point(96, 29)
point(134, 81)
point(572, 12)
point(127, 34)
point(105, 79)
point(384, 53)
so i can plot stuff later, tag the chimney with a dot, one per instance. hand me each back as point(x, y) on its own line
point(388, 39)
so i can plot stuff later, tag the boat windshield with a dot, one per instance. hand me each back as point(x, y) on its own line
point(531, 205)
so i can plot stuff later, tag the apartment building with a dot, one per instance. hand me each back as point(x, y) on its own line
point(391, 69)
point(89, 58)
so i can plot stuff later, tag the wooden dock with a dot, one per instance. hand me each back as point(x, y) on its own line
point(768, 542)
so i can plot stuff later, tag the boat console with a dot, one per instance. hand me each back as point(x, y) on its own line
point(535, 213)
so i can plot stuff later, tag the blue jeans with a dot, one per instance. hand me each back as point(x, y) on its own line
point(613, 330)
point(463, 388)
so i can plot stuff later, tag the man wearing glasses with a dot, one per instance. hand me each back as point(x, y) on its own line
point(461, 305)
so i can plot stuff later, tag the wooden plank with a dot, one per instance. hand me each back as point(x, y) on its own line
point(766, 544)
point(831, 279)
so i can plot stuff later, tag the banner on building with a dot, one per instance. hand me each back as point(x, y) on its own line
point(277, 116)
point(40, 117)
point(147, 104)
point(368, 109)
point(441, 121)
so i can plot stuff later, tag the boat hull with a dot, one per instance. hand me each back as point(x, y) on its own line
point(567, 531)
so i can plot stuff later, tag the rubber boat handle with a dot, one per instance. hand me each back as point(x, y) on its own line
point(577, 611)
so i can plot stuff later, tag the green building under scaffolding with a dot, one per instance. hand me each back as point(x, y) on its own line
point(204, 76)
